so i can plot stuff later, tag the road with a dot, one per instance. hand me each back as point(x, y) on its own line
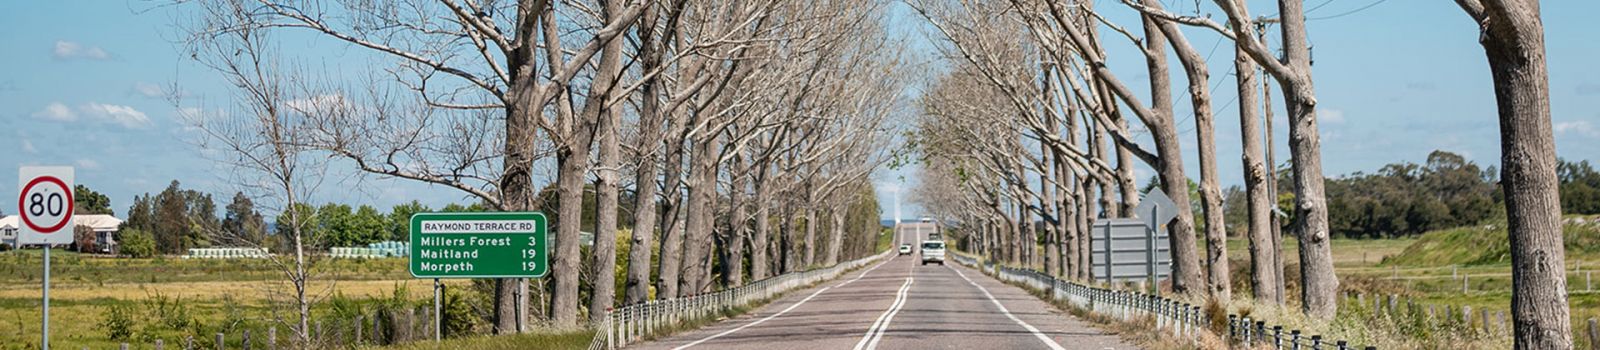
point(901, 304)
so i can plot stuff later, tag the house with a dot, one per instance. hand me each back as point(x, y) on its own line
point(104, 227)
point(105, 230)
point(9, 228)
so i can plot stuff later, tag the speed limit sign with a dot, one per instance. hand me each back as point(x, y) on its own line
point(45, 203)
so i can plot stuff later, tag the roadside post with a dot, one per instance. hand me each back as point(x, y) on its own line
point(45, 204)
point(478, 245)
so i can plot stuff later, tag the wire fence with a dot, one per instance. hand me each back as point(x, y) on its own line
point(1178, 318)
point(655, 318)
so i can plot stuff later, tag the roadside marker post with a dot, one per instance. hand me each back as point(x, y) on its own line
point(45, 205)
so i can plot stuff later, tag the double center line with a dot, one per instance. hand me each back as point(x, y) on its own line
point(875, 333)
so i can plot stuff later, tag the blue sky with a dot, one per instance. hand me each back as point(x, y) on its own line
point(84, 81)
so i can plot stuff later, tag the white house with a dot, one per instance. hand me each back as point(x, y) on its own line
point(104, 226)
point(8, 230)
point(105, 230)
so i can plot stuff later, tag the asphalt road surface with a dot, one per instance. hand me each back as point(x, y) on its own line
point(901, 304)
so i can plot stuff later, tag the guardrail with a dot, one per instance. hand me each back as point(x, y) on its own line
point(633, 323)
point(1176, 317)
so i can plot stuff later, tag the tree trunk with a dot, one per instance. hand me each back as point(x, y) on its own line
point(671, 231)
point(733, 256)
point(837, 237)
point(1513, 39)
point(1319, 286)
point(1185, 258)
point(1258, 207)
point(760, 262)
point(645, 181)
point(811, 235)
point(697, 247)
point(516, 187)
point(786, 232)
point(606, 119)
point(1194, 67)
point(572, 164)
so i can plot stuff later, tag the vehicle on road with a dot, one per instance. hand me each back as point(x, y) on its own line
point(905, 249)
point(933, 251)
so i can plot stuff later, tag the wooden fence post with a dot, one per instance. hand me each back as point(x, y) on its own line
point(245, 342)
point(220, 342)
point(1594, 335)
point(358, 326)
point(272, 338)
point(160, 345)
point(124, 346)
point(188, 342)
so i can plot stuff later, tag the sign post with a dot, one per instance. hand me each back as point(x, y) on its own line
point(478, 245)
point(46, 207)
point(1159, 209)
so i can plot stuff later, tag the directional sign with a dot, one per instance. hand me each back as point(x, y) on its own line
point(45, 204)
point(1157, 203)
point(479, 245)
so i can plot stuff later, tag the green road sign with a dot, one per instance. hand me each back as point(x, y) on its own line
point(479, 245)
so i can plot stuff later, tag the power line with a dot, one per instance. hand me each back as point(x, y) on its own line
point(1363, 8)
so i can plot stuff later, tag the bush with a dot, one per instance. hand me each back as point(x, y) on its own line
point(5, 247)
point(119, 322)
point(138, 243)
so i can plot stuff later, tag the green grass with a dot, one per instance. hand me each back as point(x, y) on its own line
point(551, 341)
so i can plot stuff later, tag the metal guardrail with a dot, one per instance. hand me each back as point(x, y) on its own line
point(633, 323)
point(1178, 318)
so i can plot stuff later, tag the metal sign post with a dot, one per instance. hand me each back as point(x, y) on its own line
point(438, 310)
point(45, 206)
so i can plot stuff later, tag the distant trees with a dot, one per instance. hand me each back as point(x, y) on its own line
point(1580, 187)
point(177, 218)
point(86, 201)
point(1403, 199)
point(241, 220)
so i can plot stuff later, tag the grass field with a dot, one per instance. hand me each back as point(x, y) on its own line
point(1432, 270)
point(196, 297)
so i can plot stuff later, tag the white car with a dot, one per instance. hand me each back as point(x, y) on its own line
point(933, 251)
point(905, 249)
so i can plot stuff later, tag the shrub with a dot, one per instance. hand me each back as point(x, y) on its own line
point(119, 322)
point(138, 243)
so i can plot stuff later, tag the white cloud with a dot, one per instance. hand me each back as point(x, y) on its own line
point(1331, 116)
point(57, 112)
point(1580, 127)
point(124, 115)
point(149, 90)
point(67, 50)
point(88, 164)
point(319, 104)
point(27, 146)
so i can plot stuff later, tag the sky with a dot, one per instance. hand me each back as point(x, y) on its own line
point(86, 85)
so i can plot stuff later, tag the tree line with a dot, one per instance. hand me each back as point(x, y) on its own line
point(1027, 137)
point(741, 135)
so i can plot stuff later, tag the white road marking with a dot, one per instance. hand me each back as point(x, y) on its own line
point(1047, 341)
point(784, 311)
point(874, 334)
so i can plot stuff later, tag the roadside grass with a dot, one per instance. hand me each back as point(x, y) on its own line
point(574, 340)
point(228, 295)
point(1428, 270)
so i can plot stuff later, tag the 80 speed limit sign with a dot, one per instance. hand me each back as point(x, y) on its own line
point(45, 205)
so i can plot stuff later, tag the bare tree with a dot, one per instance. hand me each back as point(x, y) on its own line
point(262, 138)
point(1513, 39)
